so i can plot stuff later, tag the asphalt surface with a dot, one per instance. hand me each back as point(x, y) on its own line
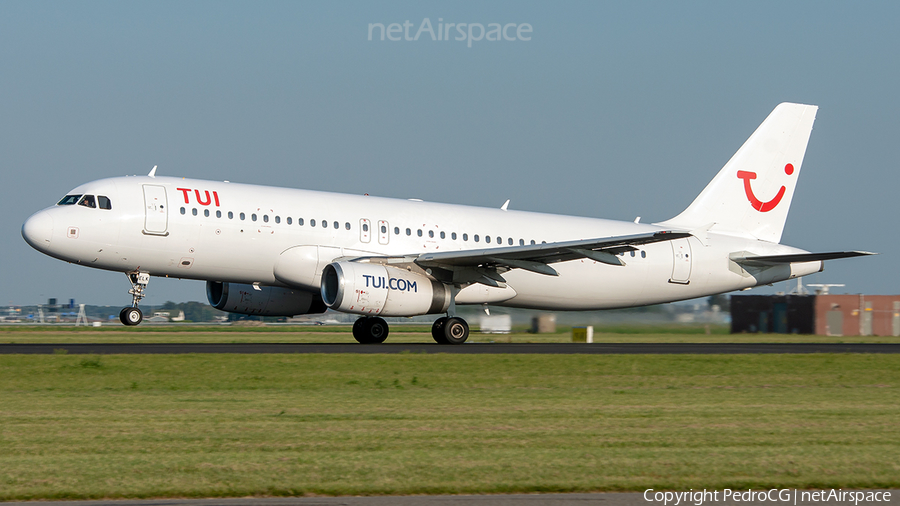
point(480, 348)
point(604, 499)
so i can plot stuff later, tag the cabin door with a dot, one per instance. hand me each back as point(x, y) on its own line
point(156, 218)
point(681, 268)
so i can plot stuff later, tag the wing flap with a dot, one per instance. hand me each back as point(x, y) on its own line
point(533, 257)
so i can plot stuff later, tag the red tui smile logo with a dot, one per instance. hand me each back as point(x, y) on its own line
point(757, 204)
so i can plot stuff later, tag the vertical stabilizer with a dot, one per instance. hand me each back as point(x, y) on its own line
point(752, 193)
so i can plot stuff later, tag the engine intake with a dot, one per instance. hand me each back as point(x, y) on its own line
point(365, 288)
point(267, 301)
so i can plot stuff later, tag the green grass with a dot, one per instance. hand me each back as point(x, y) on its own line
point(234, 425)
point(636, 333)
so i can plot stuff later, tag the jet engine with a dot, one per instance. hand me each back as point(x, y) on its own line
point(366, 288)
point(263, 300)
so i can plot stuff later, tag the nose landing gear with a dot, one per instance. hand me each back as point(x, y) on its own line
point(131, 316)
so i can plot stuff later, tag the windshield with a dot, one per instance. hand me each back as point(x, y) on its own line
point(69, 200)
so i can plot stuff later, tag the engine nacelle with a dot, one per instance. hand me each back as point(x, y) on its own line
point(267, 301)
point(365, 288)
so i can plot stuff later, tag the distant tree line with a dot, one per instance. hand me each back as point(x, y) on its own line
point(193, 311)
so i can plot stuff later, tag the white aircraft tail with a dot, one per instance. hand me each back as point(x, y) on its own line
point(753, 191)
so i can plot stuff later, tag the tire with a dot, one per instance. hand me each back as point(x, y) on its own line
point(377, 330)
point(131, 316)
point(456, 330)
point(437, 330)
point(358, 329)
point(370, 330)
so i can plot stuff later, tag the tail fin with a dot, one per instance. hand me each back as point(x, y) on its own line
point(752, 193)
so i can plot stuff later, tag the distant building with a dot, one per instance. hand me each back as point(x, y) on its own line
point(827, 315)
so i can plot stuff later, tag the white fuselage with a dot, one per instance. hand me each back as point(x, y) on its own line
point(238, 233)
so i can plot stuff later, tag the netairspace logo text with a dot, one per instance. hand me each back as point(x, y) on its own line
point(462, 32)
point(784, 496)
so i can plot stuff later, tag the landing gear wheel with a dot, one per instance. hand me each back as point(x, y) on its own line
point(358, 329)
point(370, 330)
point(131, 316)
point(456, 330)
point(437, 330)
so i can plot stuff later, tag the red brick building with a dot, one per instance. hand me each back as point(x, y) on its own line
point(832, 315)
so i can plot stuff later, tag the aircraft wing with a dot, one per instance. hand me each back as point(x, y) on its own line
point(770, 260)
point(536, 257)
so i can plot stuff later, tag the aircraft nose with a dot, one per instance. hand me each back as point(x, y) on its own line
point(38, 229)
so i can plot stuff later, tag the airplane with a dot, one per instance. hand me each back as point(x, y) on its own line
point(283, 252)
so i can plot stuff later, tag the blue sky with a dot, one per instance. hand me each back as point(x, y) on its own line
point(612, 110)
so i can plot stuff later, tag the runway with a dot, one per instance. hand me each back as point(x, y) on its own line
point(480, 348)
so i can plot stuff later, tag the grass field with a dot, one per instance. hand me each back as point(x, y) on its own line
point(236, 425)
point(673, 333)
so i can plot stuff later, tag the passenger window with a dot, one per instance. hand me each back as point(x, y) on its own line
point(243, 216)
point(324, 223)
point(499, 240)
point(487, 239)
point(278, 219)
point(337, 225)
point(521, 242)
point(532, 241)
point(396, 230)
point(365, 227)
point(453, 236)
point(194, 211)
point(431, 234)
point(218, 214)
point(383, 229)
point(230, 215)
point(206, 213)
point(632, 253)
point(69, 200)
point(419, 232)
point(104, 202)
point(465, 237)
point(643, 254)
point(300, 222)
point(266, 218)
point(253, 216)
point(476, 238)
point(510, 241)
point(347, 225)
point(443, 236)
point(88, 201)
point(289, 220)
point(408, 232)
point(183, 210)
point(312, 223)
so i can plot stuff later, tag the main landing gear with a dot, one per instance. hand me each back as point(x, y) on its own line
point(450, 330)
point(131, 316)
point(446, 330)
point(370, 330)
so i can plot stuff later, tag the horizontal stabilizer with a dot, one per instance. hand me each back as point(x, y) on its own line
point(769, 260)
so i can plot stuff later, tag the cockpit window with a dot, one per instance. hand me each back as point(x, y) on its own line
point(69, 200)
point(104, 202)
point(87, 201)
